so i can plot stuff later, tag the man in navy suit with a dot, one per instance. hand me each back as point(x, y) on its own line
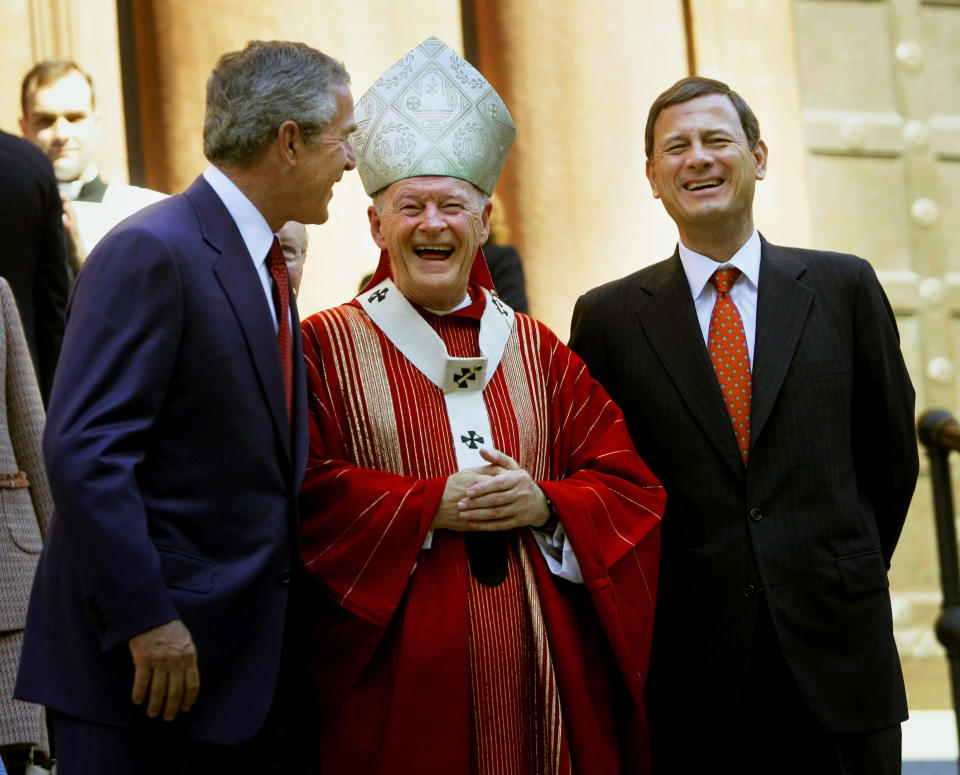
point(788, 468)
point(162, 629)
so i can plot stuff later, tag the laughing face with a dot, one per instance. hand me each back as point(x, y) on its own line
point(323, 161)
point(431, 227)
point(704, 171)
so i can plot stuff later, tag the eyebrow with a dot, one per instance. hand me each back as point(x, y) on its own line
point(54, 113)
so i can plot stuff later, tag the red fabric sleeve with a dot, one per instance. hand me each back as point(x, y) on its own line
point(363, 529)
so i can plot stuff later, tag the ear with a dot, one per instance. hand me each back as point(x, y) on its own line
point(288, 142)
point(23, 126)
point(485, 220)
point(652, 180)
point(760, 157)
point(374, 219)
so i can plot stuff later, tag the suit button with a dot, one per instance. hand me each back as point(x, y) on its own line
point(755, 514)
point(749, 591)
point(284, 577)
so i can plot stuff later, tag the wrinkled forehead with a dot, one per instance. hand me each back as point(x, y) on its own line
point(293, 231)
point(433, 187)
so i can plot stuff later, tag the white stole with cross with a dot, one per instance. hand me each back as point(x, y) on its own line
point(462, 380)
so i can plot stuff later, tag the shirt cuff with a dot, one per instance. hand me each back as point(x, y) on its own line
point(558, 554)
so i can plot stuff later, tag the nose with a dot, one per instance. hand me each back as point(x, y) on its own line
point(62, 127)
point(431, 220)
point(698, 155)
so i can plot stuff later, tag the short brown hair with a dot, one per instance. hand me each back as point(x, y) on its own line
point(690, 88)
point(50, 71)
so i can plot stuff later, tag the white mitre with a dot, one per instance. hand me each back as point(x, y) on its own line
point(432, 113)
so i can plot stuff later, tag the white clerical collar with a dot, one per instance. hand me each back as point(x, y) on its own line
point(253, 227)
point(462, 380)
point(700, 268)
point(467, 301)
point(71, 188)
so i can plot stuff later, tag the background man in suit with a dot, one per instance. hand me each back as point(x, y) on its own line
point(175, 446)
point(33, 259)
point(788, 455)
point(60, 117)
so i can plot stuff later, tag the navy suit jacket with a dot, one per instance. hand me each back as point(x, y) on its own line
point(174, 474)
point(34, 257)
point(813, 519)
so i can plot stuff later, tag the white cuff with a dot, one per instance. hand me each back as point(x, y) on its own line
point(558, 553)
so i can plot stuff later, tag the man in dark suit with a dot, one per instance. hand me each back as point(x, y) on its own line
point(175, 445)
point(788, 467)
point(33, 259)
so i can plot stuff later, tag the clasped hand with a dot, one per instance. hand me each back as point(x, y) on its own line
point(498, 496)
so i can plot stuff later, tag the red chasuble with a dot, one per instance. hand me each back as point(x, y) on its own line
point(419, 668)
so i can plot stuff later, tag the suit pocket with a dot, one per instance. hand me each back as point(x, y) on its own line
point(863, 573)
point(19, 516)
point(186, 572)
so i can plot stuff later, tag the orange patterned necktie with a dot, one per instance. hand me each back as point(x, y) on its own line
point(281, 302)
point(727, 344)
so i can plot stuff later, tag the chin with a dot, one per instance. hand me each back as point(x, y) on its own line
point(65, 174)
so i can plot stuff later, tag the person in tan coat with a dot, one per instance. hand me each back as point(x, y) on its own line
point(25, 509)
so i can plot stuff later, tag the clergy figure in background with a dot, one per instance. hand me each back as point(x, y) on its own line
point(61, 118)
point(481, 536)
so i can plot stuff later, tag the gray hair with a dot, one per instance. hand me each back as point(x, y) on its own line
point(250, 93)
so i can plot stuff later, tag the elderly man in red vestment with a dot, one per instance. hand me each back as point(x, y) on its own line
point(482, 535)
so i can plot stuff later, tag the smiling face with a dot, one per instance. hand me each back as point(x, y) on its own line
point(325, 159)
point(431, 227)
point(61, 121)
point(704, 171)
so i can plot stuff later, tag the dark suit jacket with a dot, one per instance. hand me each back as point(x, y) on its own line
point(173, 472)
point(814, 518)
point(506, 271)
point(33, 258)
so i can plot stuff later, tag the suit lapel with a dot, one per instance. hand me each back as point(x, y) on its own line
point(783, 304)
point(670, 320)
point(237, 276)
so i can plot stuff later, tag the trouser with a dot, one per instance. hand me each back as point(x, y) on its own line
point(158, 748)
point(772, 732)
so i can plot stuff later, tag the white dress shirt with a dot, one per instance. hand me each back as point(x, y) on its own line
point(699, 269)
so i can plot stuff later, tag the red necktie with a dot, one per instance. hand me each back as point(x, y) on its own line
point(728, 354)
point(281, 302)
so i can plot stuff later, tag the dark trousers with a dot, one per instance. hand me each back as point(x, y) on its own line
point(158, 748)
point(771, 732)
